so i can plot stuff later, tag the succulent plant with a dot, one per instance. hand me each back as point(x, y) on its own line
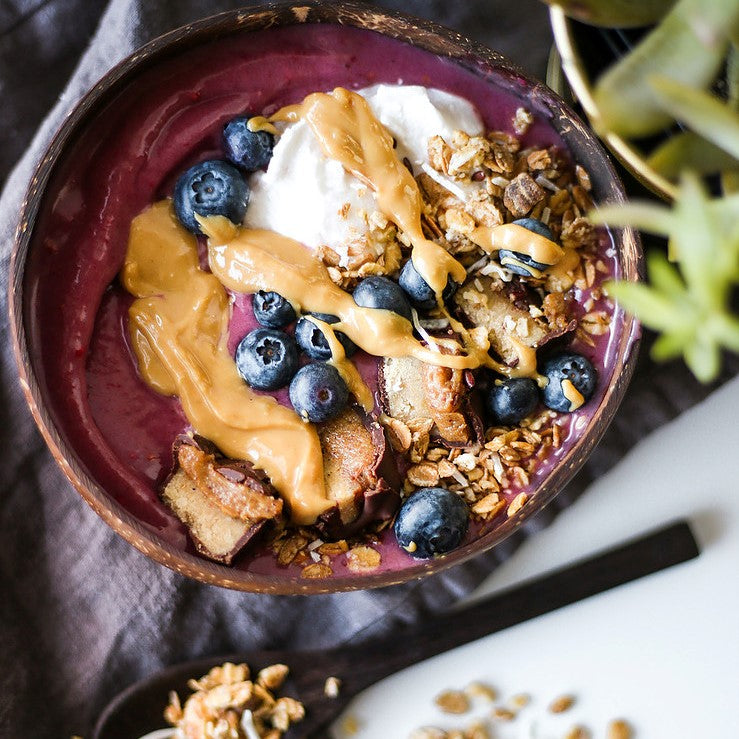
point(668, 78)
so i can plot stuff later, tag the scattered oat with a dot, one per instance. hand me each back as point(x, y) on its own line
point(520, 700)
point(577, 732)
point(350, 725)
point(619, 729)
point(502, 714)
point(481, 690)
point(453, 701)
point(273, 676)
point(331, 687)
point(561, 704)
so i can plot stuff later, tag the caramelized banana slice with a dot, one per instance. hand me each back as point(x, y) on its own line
point(242, 499)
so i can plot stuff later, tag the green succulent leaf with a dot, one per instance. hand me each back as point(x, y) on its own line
point(689, 150)
point(703, 112)
point(687, 302)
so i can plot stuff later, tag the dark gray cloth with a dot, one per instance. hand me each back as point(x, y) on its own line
point(83, 614)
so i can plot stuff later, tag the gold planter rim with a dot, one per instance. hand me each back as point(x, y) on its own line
point(581, 85)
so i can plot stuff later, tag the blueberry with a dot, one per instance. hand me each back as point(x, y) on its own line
point(573, 367)
point(272, 310)
point(382, 292)
point(419, 292)
point(432, 521)
point(311, 340)
point(212, 188)
point(510, 401)
point(538, 227)
point(267, 359)
point(318, 392)
point(247, 149)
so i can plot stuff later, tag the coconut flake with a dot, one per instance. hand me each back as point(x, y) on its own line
point(430, 341)
point(445, 182)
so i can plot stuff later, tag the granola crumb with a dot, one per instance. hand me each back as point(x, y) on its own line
point(517, 504)
point(273, 677)
point(428, 732)
point(522, 120)
point(503, 714)
point(363, 559)
point(331, 687)
point(619, 729)
point(350, 725)
point(452, 701)
point(481, 690)
point(561, 704)
point(521, 700)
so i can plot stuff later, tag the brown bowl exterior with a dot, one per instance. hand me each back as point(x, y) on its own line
point(424, 35)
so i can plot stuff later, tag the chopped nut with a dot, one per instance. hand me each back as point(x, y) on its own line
point(331, 687)
point(452, 701)
point(362, 559)
point(561, 704)
point(273, 676)
point(619, 729)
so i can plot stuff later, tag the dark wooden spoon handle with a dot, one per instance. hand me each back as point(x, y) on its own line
point(369, 663)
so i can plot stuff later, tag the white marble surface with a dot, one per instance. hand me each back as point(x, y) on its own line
point(662, 652)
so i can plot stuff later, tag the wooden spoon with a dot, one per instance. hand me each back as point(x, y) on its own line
point(138, 709)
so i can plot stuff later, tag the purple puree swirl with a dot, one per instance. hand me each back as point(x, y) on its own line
point(168, 118)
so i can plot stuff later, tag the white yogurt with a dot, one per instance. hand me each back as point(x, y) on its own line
point(304, 195)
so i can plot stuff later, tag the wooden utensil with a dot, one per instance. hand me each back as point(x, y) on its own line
point(138, 709)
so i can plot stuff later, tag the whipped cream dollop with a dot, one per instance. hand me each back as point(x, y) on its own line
point(314, 200)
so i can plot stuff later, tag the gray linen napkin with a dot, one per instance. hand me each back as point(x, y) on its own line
point(82, 613)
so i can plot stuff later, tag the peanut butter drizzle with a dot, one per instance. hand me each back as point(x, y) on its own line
point(520, 240)
point(179, 329)
point(573, 395)
point(248, 260)
point(260, 123)
point(345, 367)
point(347, 131)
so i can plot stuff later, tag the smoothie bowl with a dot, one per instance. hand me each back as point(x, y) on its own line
point(305, 299)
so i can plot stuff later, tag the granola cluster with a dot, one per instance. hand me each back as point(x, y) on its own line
point(460, 702)
point(318, 559)
point(227, 704)
point(475, 181)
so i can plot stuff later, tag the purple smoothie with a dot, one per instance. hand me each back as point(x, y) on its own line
point(129, 157)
